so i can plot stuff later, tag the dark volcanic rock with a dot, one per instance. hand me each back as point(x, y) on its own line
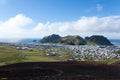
point(60, 71)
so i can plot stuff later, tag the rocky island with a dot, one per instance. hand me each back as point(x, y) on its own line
point(76, 40)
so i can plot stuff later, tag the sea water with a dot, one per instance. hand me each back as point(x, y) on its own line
point(115, 42)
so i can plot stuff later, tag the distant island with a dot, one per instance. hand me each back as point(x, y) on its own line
point(76, 40)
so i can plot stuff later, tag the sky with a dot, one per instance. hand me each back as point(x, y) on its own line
point(39, 18)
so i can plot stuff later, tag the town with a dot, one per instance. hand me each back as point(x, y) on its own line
point(70, 52)
point(82, 52)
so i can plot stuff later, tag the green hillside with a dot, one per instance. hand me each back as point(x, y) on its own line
point(9, 55)
point(97, 40)
point(73, 40)
point(76, 40)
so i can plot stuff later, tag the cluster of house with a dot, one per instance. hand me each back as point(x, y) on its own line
point(77, 52)
point(82, 52)
point(94, 52)
point(85, 52)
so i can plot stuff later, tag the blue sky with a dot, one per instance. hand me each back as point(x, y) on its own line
point(58, 10)
point(38, 18)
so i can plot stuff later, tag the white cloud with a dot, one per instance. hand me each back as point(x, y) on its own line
point(99, 7)
point(15, 27)
point(84, 26)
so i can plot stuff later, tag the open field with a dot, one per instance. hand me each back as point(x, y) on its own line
point(9, 55)
point(36, 55)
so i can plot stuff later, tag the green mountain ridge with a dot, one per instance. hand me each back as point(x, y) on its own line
point(73, 40)
point(76, 40)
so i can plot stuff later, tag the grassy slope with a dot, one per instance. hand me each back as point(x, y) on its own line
point(9, 55)
point(91, 43)
point(36, 55)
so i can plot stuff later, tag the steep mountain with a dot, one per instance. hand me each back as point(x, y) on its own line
point(98, 40)
point(76, 40)
point(51, 39)
point(68, 40)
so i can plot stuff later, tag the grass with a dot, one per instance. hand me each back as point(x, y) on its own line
point(36, 55)
point(7, 51)
point(109, 61)
point(39, 58)
point(9, 55)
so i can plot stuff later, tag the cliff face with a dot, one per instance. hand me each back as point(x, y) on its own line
point(76, 40)
point(99, 40)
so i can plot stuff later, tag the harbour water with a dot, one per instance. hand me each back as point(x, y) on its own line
point(115, 42)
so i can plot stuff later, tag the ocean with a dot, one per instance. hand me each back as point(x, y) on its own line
point(37, 41)
point(115, 42)
point(24, 41)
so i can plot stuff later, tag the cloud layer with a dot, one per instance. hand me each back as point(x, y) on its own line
point(14, 27)
point(18, 27)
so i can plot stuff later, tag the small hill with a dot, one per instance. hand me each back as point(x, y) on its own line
point(98, 40)
point(73, 40)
